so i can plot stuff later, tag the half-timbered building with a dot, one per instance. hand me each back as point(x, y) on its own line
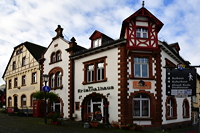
point(22, 76)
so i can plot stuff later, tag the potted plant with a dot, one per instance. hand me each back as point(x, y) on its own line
point(139, 127)
point(94, 123)
point(53, 118)
point(132, 126)
point(115, 124)
point(124, 127)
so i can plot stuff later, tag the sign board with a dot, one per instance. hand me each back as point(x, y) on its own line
point(46, 88)
point(181, 83)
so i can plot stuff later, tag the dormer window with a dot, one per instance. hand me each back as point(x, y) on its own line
point(97, 43)
point(141, 33)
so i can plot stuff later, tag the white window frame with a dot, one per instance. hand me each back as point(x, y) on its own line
point(100, 71)
point(34, 77)
point(23, 100)
point(53, 81)
point(142, 33)
point(141, 99)
point(58, 76)
point(23, 61)
point(170, 108)
point(24, 80)
point(141, 62)
point(90, 73)
point(97, 42)
point(58, 56)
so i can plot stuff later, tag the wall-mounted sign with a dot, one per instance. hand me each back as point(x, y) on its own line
point(181, 82)
point(141, 84)
point(91, 89)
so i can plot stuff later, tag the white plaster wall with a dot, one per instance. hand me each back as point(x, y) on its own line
point(62, 46)
point(178, 100)
point(112, 80)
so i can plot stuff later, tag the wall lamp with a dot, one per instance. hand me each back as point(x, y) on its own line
point(108, 94)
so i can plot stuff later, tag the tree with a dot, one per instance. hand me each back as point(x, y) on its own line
point(52, 97)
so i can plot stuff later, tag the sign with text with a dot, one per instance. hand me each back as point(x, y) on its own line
point(181, 82)
point(141, 84)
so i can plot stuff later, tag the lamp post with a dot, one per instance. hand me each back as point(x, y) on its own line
point(45, 78)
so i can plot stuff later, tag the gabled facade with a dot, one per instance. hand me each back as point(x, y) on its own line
point(22, 75)
point(57, 65)
point(125, 79)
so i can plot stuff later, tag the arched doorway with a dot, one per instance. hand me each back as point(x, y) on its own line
point(15, 101)
point(94, 104)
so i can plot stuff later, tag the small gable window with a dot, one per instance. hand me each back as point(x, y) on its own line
point(141, 33)
point(23, 61)
point(96, 42)
point(55, 57)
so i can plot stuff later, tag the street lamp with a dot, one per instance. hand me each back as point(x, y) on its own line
point(45, 78)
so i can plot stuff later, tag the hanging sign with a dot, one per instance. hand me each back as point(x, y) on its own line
point(181, 82)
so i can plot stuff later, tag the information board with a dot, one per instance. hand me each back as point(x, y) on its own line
point(181, 83)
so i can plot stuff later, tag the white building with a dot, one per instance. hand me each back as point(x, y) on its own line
point(124, 80)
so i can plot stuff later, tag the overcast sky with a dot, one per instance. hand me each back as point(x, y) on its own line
point(36, 20)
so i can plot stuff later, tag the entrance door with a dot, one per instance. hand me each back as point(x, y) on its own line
point(15, 101)
point(95, 105)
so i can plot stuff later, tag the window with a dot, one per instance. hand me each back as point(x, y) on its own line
point(96, 42)
point(52, 81)
point(9, 102)
point(141, 67)
point(56, 107)
point(77, 105)
point(90, 73)
point(23, 80)
point(58, 56)
point(100, 71)
point(95, 71)
point(14, 65)
point(23, 100)
point(194, 99)
point(15, 82)
point(58, 79)
point(34, 77)
point(141, 33)
point(32, 100)
point(53, 57)
point(141, 106)
point(171, 108)
point(19, 51)
point(10, 84)
point(186, 108)
point(23, 61)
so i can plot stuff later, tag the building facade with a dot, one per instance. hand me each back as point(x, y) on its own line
point(22, 75)
point(125, 79)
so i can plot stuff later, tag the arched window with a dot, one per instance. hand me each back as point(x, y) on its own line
point(185, 108)
point(171, 108)
point(9, 102)
point(141, 106)
point(53, 57)
point(23, 100)
point(58, 56)
point(52, 81)
point(58, 79)
point(32, 100)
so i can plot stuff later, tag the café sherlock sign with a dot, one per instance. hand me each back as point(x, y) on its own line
point(91, 89)
point(181, 82)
